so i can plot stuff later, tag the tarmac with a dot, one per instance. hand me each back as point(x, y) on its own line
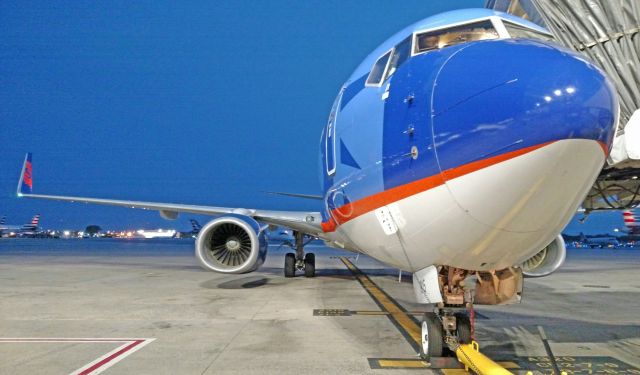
point(123, 307)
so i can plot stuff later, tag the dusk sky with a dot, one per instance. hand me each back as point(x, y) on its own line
point(211, 103)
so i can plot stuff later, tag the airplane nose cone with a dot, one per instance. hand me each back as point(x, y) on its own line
point(521, 130)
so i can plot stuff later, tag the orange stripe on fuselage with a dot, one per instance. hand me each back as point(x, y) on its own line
point(352, 210)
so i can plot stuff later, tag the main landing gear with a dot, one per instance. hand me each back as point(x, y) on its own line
point(299, 261)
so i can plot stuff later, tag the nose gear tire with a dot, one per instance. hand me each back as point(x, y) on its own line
point(463, 328)
point(432, 336)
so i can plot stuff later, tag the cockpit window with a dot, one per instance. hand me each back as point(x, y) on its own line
point(401, 53)
point(379, 68)
point(437, 39)
point(519, 31)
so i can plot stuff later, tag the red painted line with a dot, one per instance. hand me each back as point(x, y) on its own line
point(111, 357)
point(372, 202)
point(63, 340)
point(605, 148)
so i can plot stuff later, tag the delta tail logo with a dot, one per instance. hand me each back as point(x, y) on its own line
point(26, 178)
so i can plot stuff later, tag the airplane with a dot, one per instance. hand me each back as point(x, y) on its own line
point(26, 230)
point(457, 150)
point(631, 222)
point(608, 242)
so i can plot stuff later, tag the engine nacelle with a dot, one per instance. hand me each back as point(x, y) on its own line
point(547, 261)
point(231, 244)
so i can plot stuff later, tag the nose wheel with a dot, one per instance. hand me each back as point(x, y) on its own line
point(300, 261)
point(443, 328)
point(432, 336)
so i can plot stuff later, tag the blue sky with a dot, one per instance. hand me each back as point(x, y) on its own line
point(207, 103)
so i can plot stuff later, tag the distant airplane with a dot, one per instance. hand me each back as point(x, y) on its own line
point(460, 147)
point(160, 233)
point(603, 242)
point(26, 230)
point(631, 222)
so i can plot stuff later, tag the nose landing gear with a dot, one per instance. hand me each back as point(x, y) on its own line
point(300, 261)
point(449, 325)
point(446, 327)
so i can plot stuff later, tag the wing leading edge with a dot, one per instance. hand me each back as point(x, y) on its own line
point(307, 222)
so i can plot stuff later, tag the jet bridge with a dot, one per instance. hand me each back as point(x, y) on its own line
point(608, 33)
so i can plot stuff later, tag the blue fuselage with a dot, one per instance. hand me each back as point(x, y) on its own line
point(462, 107)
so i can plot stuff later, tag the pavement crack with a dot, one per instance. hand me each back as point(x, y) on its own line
point(233, 338)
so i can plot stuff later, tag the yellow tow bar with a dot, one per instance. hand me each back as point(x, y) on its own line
point(472, 359)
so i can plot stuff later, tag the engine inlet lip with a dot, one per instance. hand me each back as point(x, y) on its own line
point(203, 250)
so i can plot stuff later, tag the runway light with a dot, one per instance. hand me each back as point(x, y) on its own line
point(67, 233)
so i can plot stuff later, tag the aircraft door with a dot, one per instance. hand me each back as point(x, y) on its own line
point(330, 138)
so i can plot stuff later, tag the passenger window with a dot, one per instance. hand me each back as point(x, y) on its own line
point(378, 70)
point(518, 31)
point(401, 53)
point(442, 38)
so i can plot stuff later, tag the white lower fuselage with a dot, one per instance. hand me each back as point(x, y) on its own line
point(492, 218)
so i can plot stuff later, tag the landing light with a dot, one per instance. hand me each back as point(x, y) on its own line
point(570, 90)
point(557, 92)
point(547, 99)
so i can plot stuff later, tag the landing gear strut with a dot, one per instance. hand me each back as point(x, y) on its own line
point(300, 261)
point(449, 324)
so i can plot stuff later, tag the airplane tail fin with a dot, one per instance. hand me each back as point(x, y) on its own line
point(195, 225)
point(35, 220)
point(25, 185)
point(3, 220)
point(630, 221)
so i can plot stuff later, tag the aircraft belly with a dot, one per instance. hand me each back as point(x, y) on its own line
point(532, 192)
point(432, 227)
point(371, 235)
point(443, 225)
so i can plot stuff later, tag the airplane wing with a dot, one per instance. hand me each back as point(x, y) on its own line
point(306, 222)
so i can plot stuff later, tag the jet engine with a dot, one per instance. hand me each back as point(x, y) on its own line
point(231, 244)
point(547, 260)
